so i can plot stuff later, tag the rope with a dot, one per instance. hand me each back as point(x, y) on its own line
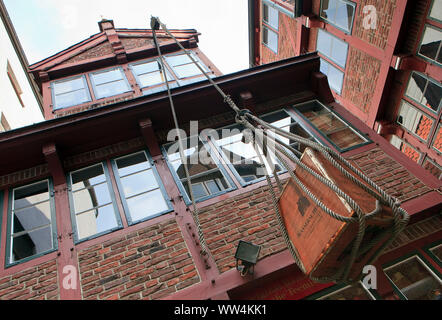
point(245, 118)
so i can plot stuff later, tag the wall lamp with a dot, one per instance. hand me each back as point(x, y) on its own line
point(246, 257)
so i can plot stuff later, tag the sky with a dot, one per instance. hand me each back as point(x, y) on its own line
point(46, 27)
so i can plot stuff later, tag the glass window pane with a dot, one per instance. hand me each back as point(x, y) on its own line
point(431, 42)
point(338, 12)
point(71, 99)
point(87, 177)
point(132, 164)
point(30, 195)
point(69, 85)
point(414, 280)
point(32, 217)
point(271, 16)
point(146, 205)
point(96, 221)
point(332, 47)
point(107, 76)
point(436, 10)
point(32, 243)
point(345, 138)
point(433, 95)
point(437, 144)
point(143, 68)
point(111, 89)
point(324, 43)
point(437, 251)
point(270, 38)
point(187, 70)
point(138, 183)
point(177, 60)
point(416, 87)
point(199, 190)
point(355, 292)
point(213, 186)
point(91, 197)
point(151, 79)
point(335, 78)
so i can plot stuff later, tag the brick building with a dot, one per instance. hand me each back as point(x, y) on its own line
point(379, 56)
point(98, 189)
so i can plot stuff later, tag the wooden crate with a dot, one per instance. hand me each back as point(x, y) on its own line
point(324, 243)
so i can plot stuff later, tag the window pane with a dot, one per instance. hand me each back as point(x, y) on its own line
point(146, 67)
point(151, 79)
point(111, 89)
point(132, 164)
point(32, 243)
point(338, 12)
point(437, 251)
point(88, 177)
point(415, 121)
point(187, 70)
point(32, 217)
point(324, 43)
point(199, 190)
point(416, 87)
point(437, 144)
point(355, 292)
point(431, 42)
point(436, 10)
point(107, 76)
point(177, 60)
point(335, 76)
point(432, 167)
point(69, 85)
point(345, 138)
point(198, 184)
point(91, 197)
point(96, 221)
point(433, 95)
point(30, 195)
point(270, 38)
point(71, 99)
point(414, 280)
point(146, 205)
point(270, 16)
point(139, 183)
point(333, 48)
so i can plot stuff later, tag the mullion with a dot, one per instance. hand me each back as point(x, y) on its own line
point(134, 173)
point(93, 208)
point(90, 187)
point(69, 92)
point(104, 83)
point(141, 193)
point(30, 206)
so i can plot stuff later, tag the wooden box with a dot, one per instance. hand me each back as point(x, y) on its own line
point(323, 243)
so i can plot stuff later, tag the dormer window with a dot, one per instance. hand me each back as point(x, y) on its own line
point(109, 83)
point(183, 66)
point(70, 92)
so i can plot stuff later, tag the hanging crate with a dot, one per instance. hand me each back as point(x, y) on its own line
point(323, 243)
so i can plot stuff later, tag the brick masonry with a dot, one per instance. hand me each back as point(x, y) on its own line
point(286, 41)
point(98, 51)
point(249, 217)
point(379, 36)
point(21, 177)
point(148, 264)
point(361, 76)
point(393, 178)
point(37, 283)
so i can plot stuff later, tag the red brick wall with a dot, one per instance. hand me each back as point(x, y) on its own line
point(249, 217)
point(147, 264)
point(377, 37)
point(393, 178)
point(361, 78)
point(37, 283)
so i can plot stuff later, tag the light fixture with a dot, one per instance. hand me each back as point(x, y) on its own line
point(246, 257)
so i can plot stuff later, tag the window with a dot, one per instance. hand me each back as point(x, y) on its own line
point(31, 225)
point(92, 205)
point(414, 280)
point(334, 75)
point(431, 44)
point(149, 74)
point(339, 13)
point(184, 67)
point(415, 121)
point(436, 10)
point(333, 128)
point(407, 149)
point(109, 83)
point(14, 83)
point(4, 124)
point(140, 187)
point(437, 252)
point(437, 143)
point(70, 92)
point(208, 177)
point(354, 292)
point(333, 48)
point(242, 157)
point(270, 24)
point(425, 91)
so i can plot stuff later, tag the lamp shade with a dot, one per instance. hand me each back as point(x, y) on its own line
point(247, 252)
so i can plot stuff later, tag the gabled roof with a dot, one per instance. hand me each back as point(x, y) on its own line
point(109, 44)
